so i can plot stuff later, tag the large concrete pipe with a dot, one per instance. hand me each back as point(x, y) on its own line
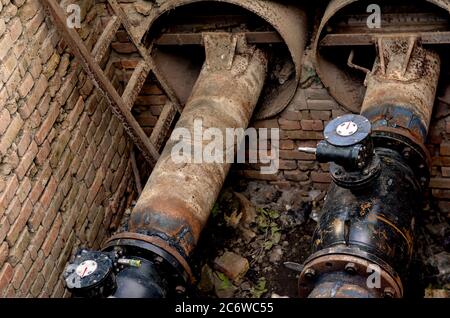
point(151, 259)
point(364, 241)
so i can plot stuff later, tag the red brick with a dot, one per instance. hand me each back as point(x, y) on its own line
point(4, 252)
point(445, 171)
point(32, 273)
point(37, 241)
point(445, 149)
point(325, 104)
point(295, 154)
point(24, 189)
point(440, 183)
point(75, 113)
point(16, 252)
point(295, 175)
point(8, 193)
point(19, 275)
point(39, 185)
point(26, 161)
point(288, 164)
point(44, 104)
point(320, 177)
point(289, 124)
point(6, 274)
point(19, 223)
point(93, 190)
point(11, 133)
point(47, 124)
point(5, 119)
point(301, 135)
point(308, 124)
point(49, 192)
point(24, 142)
point(13, 210)
point(52, 236)
point(43, 153)
point(26, 86)
point(320, 114)
point(268, 123)
point(4, 228)
point(252, 174)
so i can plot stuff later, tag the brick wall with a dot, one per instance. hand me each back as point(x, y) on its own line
point(64, 169)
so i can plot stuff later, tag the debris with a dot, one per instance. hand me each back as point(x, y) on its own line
point(232, 265)
point(276, 254)
point(206, 283)
point(436, 293)
point(247, 209)
point(143, 7)
point(274, 295)
point(259, 289)
point(222, 286)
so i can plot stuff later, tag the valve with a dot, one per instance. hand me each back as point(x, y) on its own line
point(348, 147)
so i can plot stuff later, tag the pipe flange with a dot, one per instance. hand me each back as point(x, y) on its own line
point(386, 285)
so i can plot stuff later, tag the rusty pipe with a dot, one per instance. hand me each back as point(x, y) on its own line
point(363, 244)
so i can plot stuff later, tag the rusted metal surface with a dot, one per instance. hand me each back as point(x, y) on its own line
point(346, 87)
point(361, 39)
point(163, 125)
point(197, 39)
point(94, 71)
point(178, 197)
point(145, 54)
point(104, 41)
point(137, 176)
point(135, 83)
point(339, 275)
point(288, 20)
point(154, 240)
point(401, 87)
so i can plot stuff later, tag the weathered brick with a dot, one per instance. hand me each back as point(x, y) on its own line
point(39, 185)
point(301, 135)
point(32, 273)
point(4, 228)
point(16, 252)
point(320, 114)
point(4, 252)
point(326, 104)
point(440, 183)
point(11, 133)
point(33, 99)
point(100, 174)
point(58, 148)
point(52, 236)
point(5, 119)
point(8, 193)
point(47, 124)
point(297, 155)
point(252, 174)
point(24, 189)
point(26, 86)
point(295, 175)
point(50, 190)
point(308, 124)
point(287, 164)
point(289, 124)
point(445, 149)
point(24, 142)
point(20, 223)
point(43, 153)
point(37, 241)
point(6, 274)
point(320, 177)
point(445, 171)
point(29, 9)
point(5, 44)
point(26, 160)
point(19, 275)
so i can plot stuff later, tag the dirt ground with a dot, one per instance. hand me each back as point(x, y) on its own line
point(269, 227)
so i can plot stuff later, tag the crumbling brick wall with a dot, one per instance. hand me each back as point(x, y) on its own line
point(64, 169)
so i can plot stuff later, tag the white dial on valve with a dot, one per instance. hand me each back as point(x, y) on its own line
point(86, 268)
point(347, 128)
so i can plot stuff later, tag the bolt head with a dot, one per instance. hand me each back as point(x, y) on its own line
point(389, 292)
point(310, 273)
point(350, 268)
